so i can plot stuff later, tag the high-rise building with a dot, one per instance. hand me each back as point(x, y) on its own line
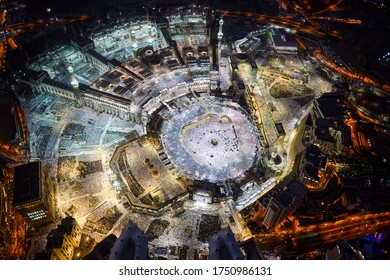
point(131, 245)
point(102, 250)
point(33, 194)
point(313, 163)
point(252, 250)
point(284, 203)
point(62, 241)
point(223, 246)
point(343, 251)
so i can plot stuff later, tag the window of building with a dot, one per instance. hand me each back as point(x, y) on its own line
point(37, 215)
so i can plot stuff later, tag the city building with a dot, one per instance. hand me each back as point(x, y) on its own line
point(84, 95)
point(343, 251)
point(11, 133)
point(34, 194)
point(223, 246)
point(329, 106)
point(313, 162)
point(102, 250)
point(187, 120)
point(284, 203)
point(62, 241)
point(332, 137)
point(328, 130)
point(282, 43)
point(252, 250)
point(206, 192)
point(132, 244)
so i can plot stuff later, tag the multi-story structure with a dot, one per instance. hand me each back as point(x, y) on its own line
point(328, 130)
point(223, 246)
point(329, 106)
point(284, 203)
point(131, 245)
point(33, 194)
point(282, 43)
point(343, 251)
point(313, 162)
point(40, 82)
point(332, 137)
point(84, 95)
point(12, 136)
point(62, 241)
point(102, 250)
point(189, 20)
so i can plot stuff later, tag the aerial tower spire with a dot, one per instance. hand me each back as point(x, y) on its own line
point(73, 79)
point(220, 34)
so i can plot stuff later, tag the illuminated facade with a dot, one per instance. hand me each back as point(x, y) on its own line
point(221, 122)
point(82, 95)
point(62, 241)
point(282, 44)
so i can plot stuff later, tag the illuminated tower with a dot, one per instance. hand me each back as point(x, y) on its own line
point(73, 79)
point(150, 37)
point(134, 42)
point(220, 34)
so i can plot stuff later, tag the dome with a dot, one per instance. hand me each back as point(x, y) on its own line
point(149, 53)
point(242, 56)
point(277, 160)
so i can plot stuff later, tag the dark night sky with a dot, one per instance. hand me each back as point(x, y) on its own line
point(69, 6)
point(98, 6)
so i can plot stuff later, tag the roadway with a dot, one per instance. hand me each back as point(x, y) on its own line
point(317, 236)
point(3, 51)
point(287, 22)
point(19, 28)
point(343, 70)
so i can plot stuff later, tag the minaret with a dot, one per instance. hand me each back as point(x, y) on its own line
point(73, 79)
point(220, 34)
point(150, 37)
point(134, 42)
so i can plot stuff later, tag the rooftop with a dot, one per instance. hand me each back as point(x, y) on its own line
point(315, 157)
point(223, 246)
point(331, 106)
point(27, 185)
point(131, 245)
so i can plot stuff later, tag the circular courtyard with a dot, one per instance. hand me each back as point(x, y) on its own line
point(210, 140)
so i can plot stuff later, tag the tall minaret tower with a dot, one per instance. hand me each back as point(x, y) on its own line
point(134, 41)
point(73, 79)
point(150, 36)
point(220, 34)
